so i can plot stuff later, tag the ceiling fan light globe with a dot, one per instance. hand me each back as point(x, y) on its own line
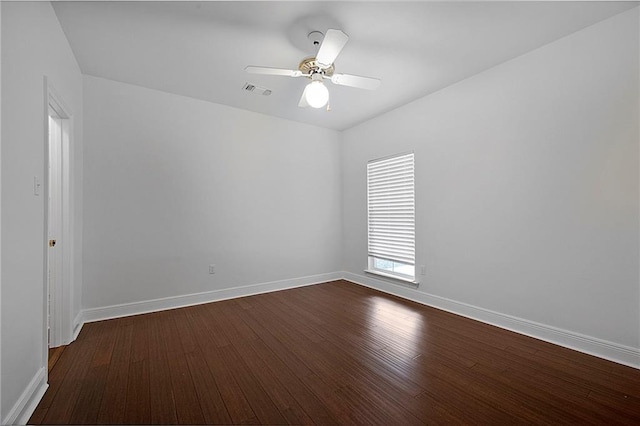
point(317, 94)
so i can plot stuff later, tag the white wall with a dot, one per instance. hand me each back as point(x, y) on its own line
point(33, 46)
point(174, 184)
point(527, 185)
point(1, 416)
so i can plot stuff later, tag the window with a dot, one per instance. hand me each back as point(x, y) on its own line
point(391, 217)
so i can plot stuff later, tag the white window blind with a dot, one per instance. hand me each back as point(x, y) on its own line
point(391, 205)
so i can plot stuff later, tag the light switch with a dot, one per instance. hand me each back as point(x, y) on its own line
point(36, 185)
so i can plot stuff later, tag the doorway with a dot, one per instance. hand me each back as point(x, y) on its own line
point(58, 235)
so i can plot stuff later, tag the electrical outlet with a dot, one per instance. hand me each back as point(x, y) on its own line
point(212, 269)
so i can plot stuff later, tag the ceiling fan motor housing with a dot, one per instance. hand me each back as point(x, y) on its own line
point(311, 66)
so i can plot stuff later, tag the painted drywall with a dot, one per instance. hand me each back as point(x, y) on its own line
point(174, 184)
point(1, 416)
point(526, 185)
point(33, 46)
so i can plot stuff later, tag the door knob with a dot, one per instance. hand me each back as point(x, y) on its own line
point(52, 243)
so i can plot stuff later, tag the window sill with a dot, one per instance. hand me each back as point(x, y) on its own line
point(407, 281)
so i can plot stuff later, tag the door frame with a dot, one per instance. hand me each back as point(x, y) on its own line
point(62, 296)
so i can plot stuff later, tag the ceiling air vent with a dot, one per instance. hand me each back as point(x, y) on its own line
point(259, 90)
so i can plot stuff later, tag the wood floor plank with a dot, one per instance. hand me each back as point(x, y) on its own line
point(162, 403)
point(211, 320)
point(333, 353)
point(564, 401)
point(239, 409)
point(88, 404)
point(62, 406)
point(233, 314)
point(279, 362)
point(318, 393)
point(38, 415)
point(54, 356)
point(433, 412)
point(270, 383)
point(115, 394)
point(210, 340)
point(262, 405)
point(138, 406)
point(188, 336)
point(236, 403)
point(187, 406)
point(206, 388)
point(58, 374)
point(213, 408)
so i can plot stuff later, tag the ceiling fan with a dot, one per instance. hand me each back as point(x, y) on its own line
point(320, 68)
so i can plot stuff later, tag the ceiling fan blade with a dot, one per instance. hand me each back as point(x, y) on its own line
point(332, 44)
point(303, 99)
point(273, 71)
point(356, 81)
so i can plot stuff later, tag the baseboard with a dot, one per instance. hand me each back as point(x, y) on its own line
point(28, 401)
point(590, 345)
point(155, 305)
point(77, 326)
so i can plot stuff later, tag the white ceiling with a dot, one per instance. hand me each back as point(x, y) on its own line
point(200, 49)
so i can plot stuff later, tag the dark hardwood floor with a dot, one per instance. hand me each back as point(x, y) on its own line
point(334, 353)
point(54, 356)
